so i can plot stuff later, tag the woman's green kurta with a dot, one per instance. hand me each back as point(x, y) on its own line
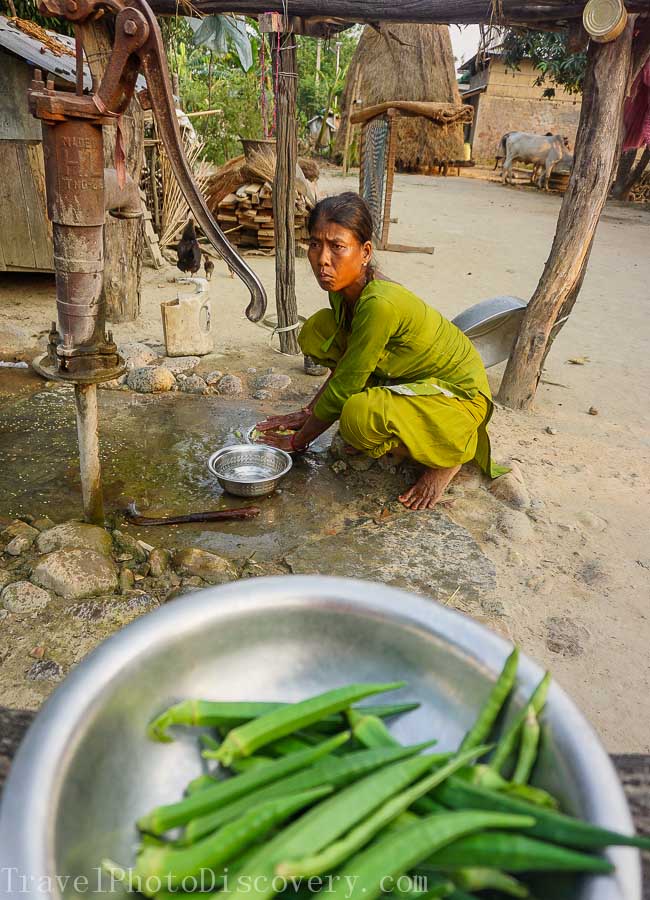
point(403, 374)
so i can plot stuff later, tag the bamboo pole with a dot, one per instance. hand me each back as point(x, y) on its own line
point(284, 190)
point(203, 112)
point(390, 177)
point(606, 80)
point(348, 124)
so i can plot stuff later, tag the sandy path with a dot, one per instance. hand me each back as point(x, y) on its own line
point(575, 590)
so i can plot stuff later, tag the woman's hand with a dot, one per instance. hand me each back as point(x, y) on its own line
point(281, 441)
point(293, 421)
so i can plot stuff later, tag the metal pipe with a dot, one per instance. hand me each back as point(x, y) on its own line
point(85, 398)
point(74, 174)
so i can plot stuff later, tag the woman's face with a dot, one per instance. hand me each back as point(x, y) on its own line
point(336, 256)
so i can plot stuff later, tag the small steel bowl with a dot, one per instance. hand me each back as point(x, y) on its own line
point(249, 470)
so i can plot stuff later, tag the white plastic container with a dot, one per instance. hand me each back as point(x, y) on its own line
point(187, 322)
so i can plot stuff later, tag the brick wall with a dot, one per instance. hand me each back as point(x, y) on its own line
point(512, 102)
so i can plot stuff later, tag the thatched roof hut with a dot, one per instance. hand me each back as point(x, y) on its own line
point(407, 62)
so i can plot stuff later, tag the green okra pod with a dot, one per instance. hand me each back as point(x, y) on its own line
point(436, 887)
point(221, 793)
point(324, 823)
point(508, 741)
point(480, 731)
point(370, 730)
point(338, 771)
point(173, 865)
point(336, 853)
point(550, 825)
point(515, 853)
point(201, 782)
point(246, 739)
point(229, 714)
point(288, 745)
point(250, 763)
point(527, 747)
point(535, 795)
point(381, 710)
point(475, 879)
point(366, 875)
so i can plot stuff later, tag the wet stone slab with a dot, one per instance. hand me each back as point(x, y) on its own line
point(424, 552)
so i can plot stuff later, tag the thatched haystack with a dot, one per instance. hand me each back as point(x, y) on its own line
point(407, 62)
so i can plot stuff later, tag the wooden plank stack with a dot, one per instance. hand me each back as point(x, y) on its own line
point(246, 216)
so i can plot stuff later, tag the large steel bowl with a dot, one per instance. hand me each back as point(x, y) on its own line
point(249, 470)
point(86, 770)
point(492, 326)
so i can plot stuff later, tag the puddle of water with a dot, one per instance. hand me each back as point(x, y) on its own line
point(154, 452)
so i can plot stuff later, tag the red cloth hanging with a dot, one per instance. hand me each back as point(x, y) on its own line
point(636, 112)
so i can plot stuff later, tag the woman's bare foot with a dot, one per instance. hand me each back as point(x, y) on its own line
point(349, 450)
point(429, 488)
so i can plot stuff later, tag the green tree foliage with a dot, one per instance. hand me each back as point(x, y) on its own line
point(313, 90)
point(550, 56)
point(210, 62)
point(208, 81)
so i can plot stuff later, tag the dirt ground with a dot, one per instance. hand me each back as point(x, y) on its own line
point(574, 584)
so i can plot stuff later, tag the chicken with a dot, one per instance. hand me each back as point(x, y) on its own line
point(188, 250)
point(208, 265)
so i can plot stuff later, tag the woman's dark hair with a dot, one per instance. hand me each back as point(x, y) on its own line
point(348, 210)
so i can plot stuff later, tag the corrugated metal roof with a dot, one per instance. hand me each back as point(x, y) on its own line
point(491, 45)
point(40, 56)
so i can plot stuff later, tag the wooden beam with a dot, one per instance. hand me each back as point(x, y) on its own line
point(606, 80)
point(284, 189)
point(440, 113)
point(442, 12)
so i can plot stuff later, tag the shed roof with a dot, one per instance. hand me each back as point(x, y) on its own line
point(491, 47)
point(53, 53)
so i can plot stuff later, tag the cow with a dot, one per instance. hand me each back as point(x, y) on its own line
point(544, 151)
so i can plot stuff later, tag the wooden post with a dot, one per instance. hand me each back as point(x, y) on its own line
point(390, 177)
point(606, 80)
point(123, 238)
point(284, 189)
point(154, 187)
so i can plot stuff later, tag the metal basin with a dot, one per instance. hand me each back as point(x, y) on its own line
point(86, 770)
point(492, 326)
point(249, 470)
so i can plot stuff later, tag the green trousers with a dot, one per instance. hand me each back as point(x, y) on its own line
point(438, 431)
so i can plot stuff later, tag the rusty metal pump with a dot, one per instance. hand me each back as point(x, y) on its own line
point(80, 351)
